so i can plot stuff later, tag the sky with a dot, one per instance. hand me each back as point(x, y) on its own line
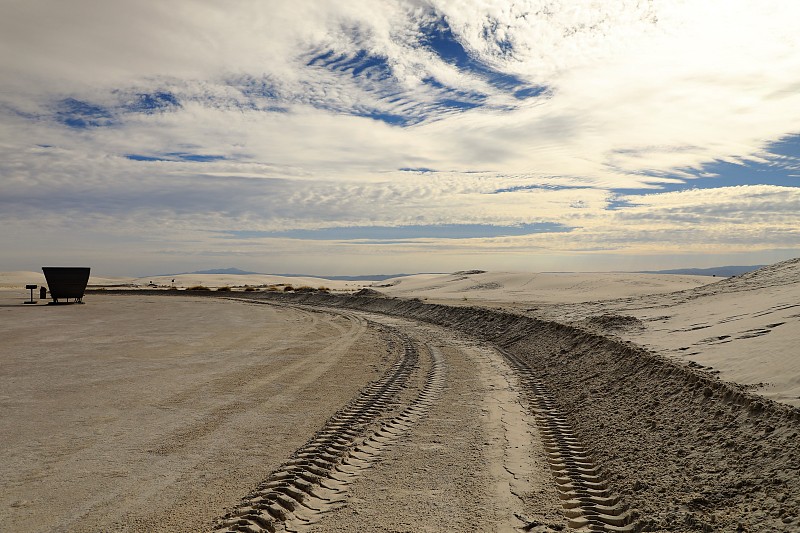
point(382, 136)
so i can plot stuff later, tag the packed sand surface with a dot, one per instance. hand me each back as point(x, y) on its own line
point(153, 414)
point(475, 462)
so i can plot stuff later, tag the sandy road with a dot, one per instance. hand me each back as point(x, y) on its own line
point(150, 413)
point(474, 463)
point(458, 452)
point(245, 413)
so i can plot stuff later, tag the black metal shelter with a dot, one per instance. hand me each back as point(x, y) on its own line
point(66, 282)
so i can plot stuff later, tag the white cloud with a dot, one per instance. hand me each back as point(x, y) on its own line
point(637, 92)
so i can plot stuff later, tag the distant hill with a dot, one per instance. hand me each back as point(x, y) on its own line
point(236, 272)
point(368, 277)
point(723, 271)
point(233, 271)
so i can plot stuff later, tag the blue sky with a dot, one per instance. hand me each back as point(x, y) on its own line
point(373, 136)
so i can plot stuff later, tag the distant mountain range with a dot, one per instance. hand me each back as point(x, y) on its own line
point(234, 271)
point(238, 272)
point(369, 277)
point(723, 271)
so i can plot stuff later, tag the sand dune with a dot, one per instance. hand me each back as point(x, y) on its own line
point(473, 285)
point(744, 328)
point(555, 288)
point(18, 279)
point(239, 280)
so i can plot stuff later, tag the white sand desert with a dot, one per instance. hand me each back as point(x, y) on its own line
point(473, 401)
point(742, 327)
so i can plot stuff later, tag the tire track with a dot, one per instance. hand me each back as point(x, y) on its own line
point(315, 479)
point(587, 501)
point(368, 450)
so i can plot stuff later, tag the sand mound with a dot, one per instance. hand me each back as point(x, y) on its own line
point(369, 292)
point(547, 288)
point(611, 322)
point(779, 274)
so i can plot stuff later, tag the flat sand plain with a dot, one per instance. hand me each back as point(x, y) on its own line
point(153, 414)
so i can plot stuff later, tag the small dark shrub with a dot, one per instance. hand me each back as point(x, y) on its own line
point(305, 288)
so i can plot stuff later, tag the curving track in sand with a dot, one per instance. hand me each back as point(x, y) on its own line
point(339, 480)
point(684, 450)
point(587, 501)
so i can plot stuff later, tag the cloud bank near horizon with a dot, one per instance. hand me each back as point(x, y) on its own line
point(403, 129)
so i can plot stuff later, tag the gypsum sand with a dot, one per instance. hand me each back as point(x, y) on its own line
point(683, 451)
